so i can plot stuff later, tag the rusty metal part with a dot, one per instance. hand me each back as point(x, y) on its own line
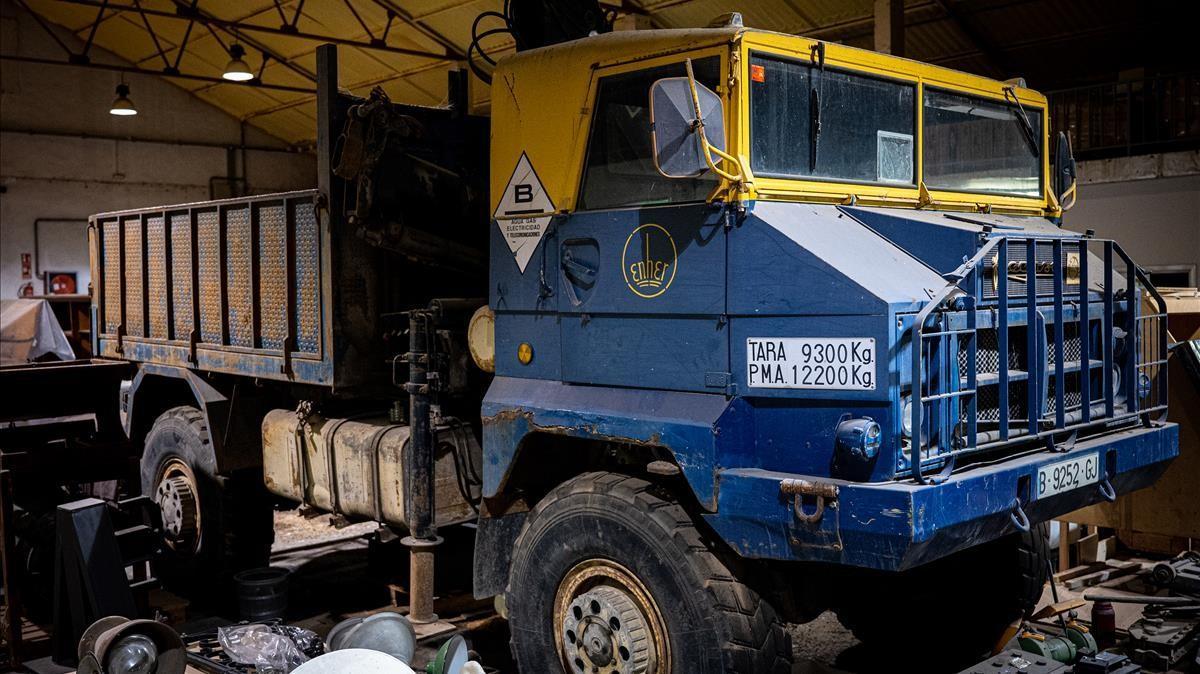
point(420, 578)
point(823, 492)
point(178, 499)
point(591, 595)
point(663, 469)
point(606, 633)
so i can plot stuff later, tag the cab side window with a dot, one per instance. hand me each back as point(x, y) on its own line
point(619, 170)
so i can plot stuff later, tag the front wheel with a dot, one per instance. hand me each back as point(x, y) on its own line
point(611, 575)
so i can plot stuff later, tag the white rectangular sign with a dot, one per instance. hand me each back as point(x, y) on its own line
point(840, 363)
point(1067, 475)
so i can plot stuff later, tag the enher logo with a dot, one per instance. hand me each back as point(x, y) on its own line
point(649, 260)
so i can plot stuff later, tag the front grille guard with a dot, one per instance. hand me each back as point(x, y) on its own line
point(952, 321)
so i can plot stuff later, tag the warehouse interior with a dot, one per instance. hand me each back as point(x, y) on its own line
point(384, 133)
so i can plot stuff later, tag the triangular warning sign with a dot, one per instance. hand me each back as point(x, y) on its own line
point(524, 212)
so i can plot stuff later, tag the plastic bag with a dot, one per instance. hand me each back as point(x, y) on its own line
point(272, 649)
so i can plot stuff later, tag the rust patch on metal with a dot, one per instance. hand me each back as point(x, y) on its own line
point(589, 430)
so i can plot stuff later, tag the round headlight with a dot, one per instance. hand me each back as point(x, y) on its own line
point(860, 438)
point(906, 416)
point(1143, 385)
point(135, 654)
point(872, 439)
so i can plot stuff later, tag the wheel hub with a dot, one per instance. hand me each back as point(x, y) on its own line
point(604, 633)
point(176, 497)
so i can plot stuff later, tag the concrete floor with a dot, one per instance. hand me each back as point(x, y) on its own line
point(333, 561)
point(338, 572)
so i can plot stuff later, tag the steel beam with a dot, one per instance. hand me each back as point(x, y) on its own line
point(889, 27)
point(158, 73)
point(204, 18)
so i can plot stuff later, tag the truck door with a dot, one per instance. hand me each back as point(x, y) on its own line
point(641, 287)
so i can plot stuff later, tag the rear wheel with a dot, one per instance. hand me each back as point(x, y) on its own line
point(611, 575)
point(213, 525)
point(968, 598)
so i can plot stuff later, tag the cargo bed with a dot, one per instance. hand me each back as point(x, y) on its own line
point(229, 286)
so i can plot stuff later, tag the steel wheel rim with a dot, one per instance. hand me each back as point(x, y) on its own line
point(599, 579)
point(177, 482)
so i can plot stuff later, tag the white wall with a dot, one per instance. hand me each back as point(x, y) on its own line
point(1148, 204)
point(49, 168)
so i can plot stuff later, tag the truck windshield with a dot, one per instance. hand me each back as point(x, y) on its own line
point(810, 122)
point(978, 145)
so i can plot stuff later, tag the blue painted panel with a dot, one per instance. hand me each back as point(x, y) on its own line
point(641, 295)
point(898, 525)
point(789, 259)
point(697, 276)
point(661, 352)
point(943, 245)
point(539, 330)
point(682, 422)
point(534, 290)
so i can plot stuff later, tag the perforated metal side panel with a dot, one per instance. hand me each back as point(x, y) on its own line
point(238, 250)
point(181, 274)
point(308, 269)
point(209, 242)
point(242, 275)
point(112, 275)
point(156, 273)
point(272, 274)
point(135, 321)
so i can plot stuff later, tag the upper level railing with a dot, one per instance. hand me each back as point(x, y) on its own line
point(1021, 345)
point(1155, 114)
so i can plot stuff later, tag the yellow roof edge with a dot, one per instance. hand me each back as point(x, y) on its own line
point(618, 46)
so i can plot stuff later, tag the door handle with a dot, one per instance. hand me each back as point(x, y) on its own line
point(579, 272)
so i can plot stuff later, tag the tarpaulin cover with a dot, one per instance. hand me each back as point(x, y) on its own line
point(28, 330)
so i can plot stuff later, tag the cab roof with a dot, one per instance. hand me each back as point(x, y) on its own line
point(541, 97)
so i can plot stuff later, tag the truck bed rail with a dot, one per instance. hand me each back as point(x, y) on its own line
point(995, 361)
point(227, 286)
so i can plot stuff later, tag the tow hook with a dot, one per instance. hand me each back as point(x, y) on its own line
point(798, 489)
point(1019, 519)
point(1107, 490)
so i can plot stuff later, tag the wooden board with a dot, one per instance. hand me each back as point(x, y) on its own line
point(1169, 508)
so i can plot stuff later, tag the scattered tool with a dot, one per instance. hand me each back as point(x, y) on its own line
point(1181, 574)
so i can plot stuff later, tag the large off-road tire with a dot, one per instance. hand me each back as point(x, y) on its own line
point(214, 525)
point(611, 574)
point(966, 600)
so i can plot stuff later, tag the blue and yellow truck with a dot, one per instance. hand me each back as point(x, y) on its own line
point(708, 331)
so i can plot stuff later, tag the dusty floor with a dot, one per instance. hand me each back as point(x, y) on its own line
point(328, 558)
point(339, 571)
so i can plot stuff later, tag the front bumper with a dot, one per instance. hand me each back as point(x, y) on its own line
point(898, 525)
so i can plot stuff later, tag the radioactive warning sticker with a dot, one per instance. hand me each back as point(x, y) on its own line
point(524, 212)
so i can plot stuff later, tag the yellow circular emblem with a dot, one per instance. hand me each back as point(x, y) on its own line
point(649, 260)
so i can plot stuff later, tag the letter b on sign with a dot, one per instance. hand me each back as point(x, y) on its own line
point(523, 193)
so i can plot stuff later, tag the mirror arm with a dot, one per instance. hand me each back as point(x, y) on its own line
point(709, 150)
point(1068, 197)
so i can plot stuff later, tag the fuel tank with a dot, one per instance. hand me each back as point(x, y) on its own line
point(355, 466)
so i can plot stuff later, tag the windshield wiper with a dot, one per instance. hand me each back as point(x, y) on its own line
point(1023, 120)
point(814, 105)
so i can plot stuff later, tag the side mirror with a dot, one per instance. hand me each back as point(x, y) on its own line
point(679, 138)
point(1065, 173)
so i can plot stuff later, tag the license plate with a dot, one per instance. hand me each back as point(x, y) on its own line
point(845, 363)
point(1067, 475)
